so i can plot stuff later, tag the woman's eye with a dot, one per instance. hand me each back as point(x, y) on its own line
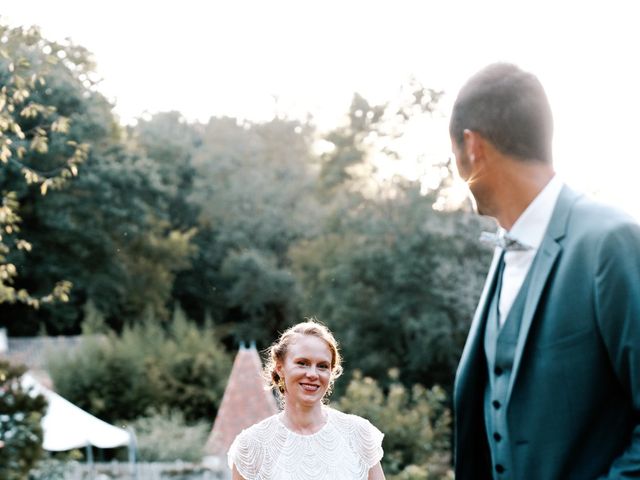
point(323, 367)
point(301, 363)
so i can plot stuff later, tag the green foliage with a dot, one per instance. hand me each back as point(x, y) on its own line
point(105, 376)
point(264, 294)
point(50, 470)
point(56, 466)
point(191, 369)
point(397, 283)
point(167, 437)
point(21, 412)
point(254, 191)
point(109, 232)
point(152, 261)
point(122, 377)
point(171, 143)
point(416, 423)
point(36, 145)
point(338, 166)
point(371, 131)
point(253, 184)
point(394, 275)
point(114, 244)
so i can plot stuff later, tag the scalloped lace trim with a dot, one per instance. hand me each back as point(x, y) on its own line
point(344, 449)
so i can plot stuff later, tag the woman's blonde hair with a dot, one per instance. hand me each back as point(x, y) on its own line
point(277, 352)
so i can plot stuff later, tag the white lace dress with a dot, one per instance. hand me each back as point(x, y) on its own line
point(345, 448)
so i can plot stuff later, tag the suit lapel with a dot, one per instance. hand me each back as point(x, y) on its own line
point(547, 255)
point(545, 259)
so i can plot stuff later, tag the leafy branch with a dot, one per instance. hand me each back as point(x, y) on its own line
point(26, 129)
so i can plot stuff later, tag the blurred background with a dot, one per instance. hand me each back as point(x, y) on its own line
point(180, 178)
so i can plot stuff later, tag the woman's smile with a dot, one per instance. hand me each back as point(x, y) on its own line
point(310, 387)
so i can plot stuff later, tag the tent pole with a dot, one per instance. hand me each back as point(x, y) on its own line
point(89, 451)
point(133, 447)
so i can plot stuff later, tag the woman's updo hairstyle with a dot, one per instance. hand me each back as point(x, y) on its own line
point(277, 352)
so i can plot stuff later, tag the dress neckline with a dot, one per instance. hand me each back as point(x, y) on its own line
point(305, 435)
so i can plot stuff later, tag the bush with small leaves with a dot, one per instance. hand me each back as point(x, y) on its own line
point(179, 366)
point(167, 437)
point(416, 423)
point(21, 412)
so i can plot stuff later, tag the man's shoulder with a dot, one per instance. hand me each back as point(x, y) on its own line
point(591, 215)
point(592, 225)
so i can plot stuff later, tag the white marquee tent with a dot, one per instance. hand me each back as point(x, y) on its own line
point(67, 426)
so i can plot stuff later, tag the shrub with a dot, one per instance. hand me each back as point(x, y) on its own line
point(56, 466)
point(416, 424)
point(146, 368)
point(21, 434)
point(105, 376)
point(190, 371)
point(166, 437)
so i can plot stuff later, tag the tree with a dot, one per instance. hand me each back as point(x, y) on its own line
point(395, 277)
point(372, 132)
point(397, 284)
point(110, 231)
point(262, 294)
point(21, 434)
point(254, 190)
point(255, 182)
point(35, 145)
point(167, 140)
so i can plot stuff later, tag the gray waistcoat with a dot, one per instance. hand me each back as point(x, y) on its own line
point(499, 348)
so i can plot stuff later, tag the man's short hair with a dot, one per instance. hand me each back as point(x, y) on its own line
point(508, 107)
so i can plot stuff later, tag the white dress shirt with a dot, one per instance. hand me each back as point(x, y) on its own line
point(528, 230)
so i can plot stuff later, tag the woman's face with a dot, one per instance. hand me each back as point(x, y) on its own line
point(306, 370)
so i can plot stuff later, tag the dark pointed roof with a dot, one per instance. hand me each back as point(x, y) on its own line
point(244, 403)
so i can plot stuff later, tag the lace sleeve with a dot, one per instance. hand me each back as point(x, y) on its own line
point(368, 442)
point(242, 455)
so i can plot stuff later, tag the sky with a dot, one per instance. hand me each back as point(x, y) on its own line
point(237, 57)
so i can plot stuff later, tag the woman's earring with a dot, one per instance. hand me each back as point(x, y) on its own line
point(281, 386)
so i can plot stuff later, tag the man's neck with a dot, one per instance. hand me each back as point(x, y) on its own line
point(517, 189)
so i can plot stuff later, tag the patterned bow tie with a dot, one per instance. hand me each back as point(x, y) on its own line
point(503, 241)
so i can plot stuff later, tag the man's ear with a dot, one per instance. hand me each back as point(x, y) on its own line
point(473, 145)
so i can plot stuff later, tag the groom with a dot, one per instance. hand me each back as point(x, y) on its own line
point(548, 386)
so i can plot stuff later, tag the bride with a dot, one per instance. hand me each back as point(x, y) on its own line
point(307, 440)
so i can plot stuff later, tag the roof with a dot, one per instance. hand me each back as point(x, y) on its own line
point(245, 402)
point(34, 352)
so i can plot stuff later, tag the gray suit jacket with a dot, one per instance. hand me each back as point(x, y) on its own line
point(573, 407)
